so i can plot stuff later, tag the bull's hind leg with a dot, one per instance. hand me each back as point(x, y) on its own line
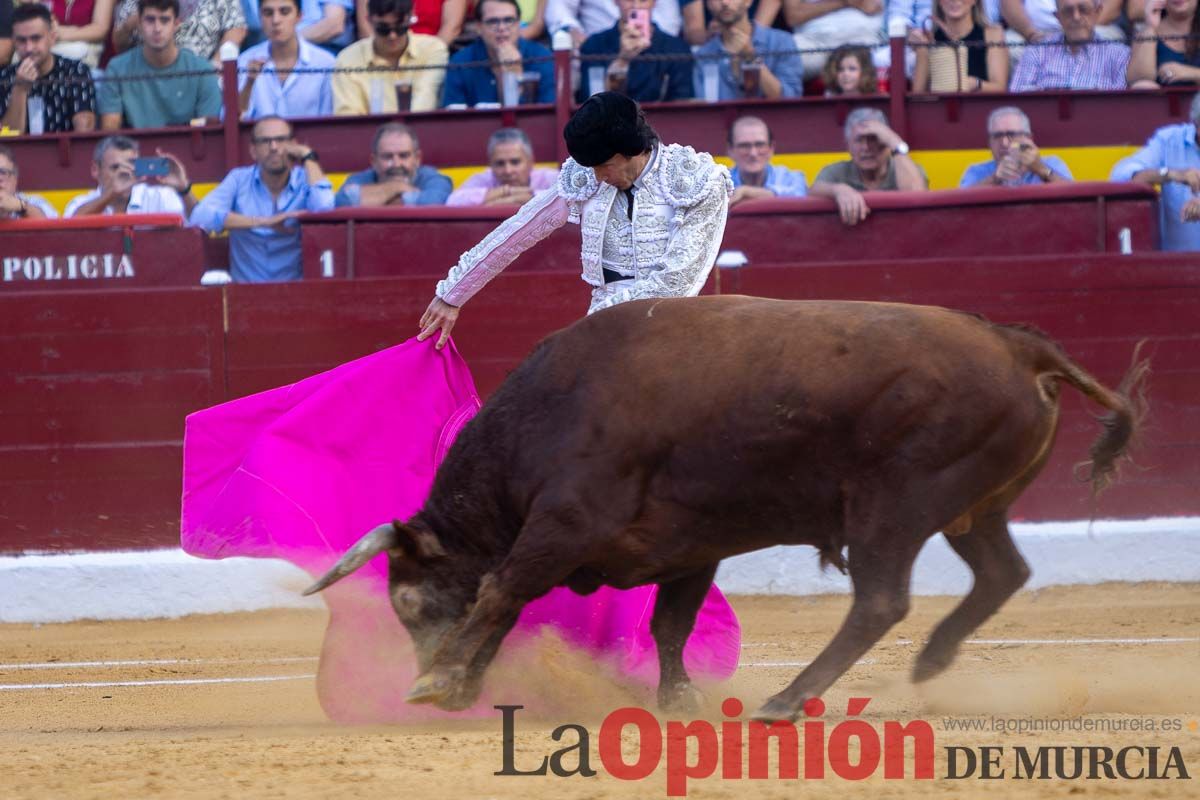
point(881, 570)
point(999, 572)
point(675, 611)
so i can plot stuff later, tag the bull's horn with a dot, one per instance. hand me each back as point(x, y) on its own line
point(369, 546)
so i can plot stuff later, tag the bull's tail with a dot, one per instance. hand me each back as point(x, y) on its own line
point(1126, 405)
point(379, 539)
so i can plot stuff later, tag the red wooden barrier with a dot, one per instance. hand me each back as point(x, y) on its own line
point(965, 223)
point(96, 384)
point(121, 250)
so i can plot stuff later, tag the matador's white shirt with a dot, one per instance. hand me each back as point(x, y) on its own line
point(681, 201)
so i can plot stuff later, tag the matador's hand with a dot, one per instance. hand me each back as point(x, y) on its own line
point(440, 315)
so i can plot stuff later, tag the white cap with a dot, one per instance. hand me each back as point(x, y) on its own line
point(897, 28)
point(229, 51)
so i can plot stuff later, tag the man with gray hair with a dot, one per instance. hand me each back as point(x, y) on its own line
point(396, 176)
point(120, 190)
point(879, 161)
point(1016, 160)
point(1171, 160)
point(1075, 59)
point(511, 178)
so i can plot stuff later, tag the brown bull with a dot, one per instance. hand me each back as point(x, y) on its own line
point(646, 443)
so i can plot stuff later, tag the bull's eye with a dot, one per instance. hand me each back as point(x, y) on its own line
point(407, 601)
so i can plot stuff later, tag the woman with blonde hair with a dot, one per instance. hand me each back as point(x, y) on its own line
point(964, 52)
point(849, 72)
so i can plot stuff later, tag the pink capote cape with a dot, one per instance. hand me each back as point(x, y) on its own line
point(303, 471)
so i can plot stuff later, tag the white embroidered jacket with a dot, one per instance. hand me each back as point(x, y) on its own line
point(678, 220)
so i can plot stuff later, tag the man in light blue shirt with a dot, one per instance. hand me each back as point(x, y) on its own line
point(1016, 160)
point(1171, 159)
point(749, 60)
point(261, 92)
point(396, 176)
point(258, 205)
point(752, 146)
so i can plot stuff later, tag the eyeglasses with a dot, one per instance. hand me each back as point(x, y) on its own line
point(270, 140)
point(5, 172)
point(997, 136)
point(383, 30)
point(496, 23)
point(1085, 10)
point(746, 147)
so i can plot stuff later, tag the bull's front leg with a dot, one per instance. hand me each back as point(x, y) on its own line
point(455, 675)
point(675, 610)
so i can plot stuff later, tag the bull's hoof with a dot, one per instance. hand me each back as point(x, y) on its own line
point(930, 665)
point(775, 710)
point(428, 688)
point(682, 698)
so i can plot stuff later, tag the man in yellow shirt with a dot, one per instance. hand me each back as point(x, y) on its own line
point(394, 47)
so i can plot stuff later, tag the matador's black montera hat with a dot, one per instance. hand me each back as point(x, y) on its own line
point(609, 123)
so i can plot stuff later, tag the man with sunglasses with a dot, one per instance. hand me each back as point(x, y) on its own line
point(268, 84)
point(501, 46)
point(258, 204)
point(397, 55)
point(1016, 159)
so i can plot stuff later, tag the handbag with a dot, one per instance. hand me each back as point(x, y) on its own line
point(948, 68)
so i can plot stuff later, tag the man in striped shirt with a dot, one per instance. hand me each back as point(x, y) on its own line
point(1076, 59)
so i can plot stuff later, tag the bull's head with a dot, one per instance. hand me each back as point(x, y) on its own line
point(422, 584)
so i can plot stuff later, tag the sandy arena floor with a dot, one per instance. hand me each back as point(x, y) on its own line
point(168, 738)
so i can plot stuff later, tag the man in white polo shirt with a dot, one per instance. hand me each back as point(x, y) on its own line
point(119, 191)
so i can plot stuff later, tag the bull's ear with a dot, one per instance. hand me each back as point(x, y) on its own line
point(419, 544)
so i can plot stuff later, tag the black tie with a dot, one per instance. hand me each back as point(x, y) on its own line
point(629, 205)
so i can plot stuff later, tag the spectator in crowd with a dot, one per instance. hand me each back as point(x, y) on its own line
point(165, 96)
point(500, 44)
point(269, 86)
point(752, 146)
point(83, 28)
point(120, 191)
point(511, 178)
point(68, 99)
point(643, 80)
point(850, 72)
point(1171, 160)
point(254, 32)
point(1039, 21)
point(6, 43)
point(738, 43)
point(1166, 47)
point(961, 23)
point(396, 176)
point(415, 59)
point(1075, 59)
point(822, 25)
point(14, 204)
point(204, 25)
point(879, 161)
point(1016, 160)
point(258, 204)
point(584, 18)
point(441, 18)
point(697, 18)
point(328, 23)
point(533, 20)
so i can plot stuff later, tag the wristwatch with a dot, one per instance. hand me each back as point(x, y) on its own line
point(1163, 172)
point(900, 149)
point(311, 155)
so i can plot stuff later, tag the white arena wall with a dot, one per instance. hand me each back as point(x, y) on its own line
point(169, 583)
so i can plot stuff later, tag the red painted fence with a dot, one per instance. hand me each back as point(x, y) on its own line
point(95, 385)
